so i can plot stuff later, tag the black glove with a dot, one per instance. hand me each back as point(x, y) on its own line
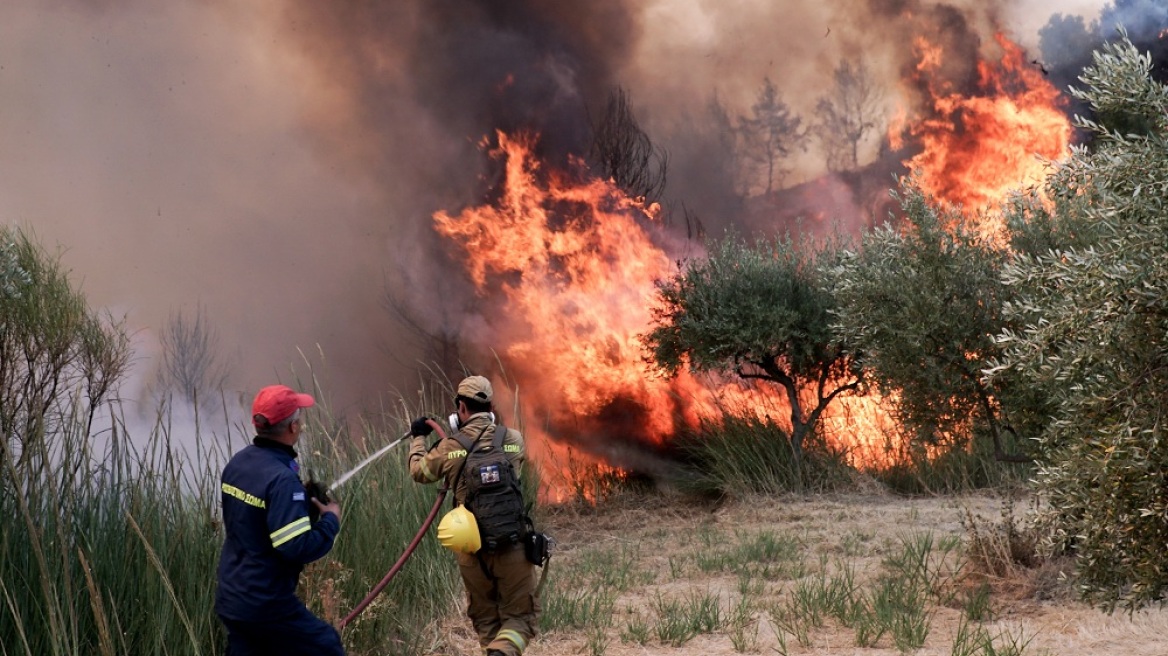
point(420, 428)
point(315, 490)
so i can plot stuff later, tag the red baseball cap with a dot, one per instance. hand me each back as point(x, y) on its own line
point(277, 402)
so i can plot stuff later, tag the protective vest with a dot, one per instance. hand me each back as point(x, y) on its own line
point(268, 535)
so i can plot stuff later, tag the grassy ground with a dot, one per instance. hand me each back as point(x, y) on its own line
point(115, 554)
point(839, 574)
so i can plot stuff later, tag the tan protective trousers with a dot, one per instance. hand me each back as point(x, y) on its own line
point(502, 607)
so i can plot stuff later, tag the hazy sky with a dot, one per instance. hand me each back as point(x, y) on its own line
point(1028, 16)
point(195, 151)
point(161, 146)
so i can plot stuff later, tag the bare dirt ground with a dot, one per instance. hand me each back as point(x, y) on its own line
point(662, 546)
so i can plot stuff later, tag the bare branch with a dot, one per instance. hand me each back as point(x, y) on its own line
point(624, 153)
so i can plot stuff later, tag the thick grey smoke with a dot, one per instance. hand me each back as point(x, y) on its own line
point(279, 160)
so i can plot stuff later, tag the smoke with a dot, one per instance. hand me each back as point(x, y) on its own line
point(279, 161)
point(1143, 19)
point(1146, 23)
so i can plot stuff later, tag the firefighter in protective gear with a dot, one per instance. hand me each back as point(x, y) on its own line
point(269, 538)
point(500, 586)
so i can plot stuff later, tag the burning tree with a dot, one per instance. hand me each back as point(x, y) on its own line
point(923, 305)
point(624, 154)
point(1094, 321)
point(761, 312)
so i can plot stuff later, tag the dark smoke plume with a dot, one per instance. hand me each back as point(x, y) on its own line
point(1067, 41)
point(280, 161)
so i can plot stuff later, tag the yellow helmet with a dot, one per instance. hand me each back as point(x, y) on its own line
point(458, 531)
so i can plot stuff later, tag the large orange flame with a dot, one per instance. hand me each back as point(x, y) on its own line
point(577, 270)
point(977, 147)
point(574, 262)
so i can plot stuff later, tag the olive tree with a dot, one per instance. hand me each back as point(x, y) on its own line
point(1093, 333)
point(760, 311)
point(57, 356)
point(923, 303)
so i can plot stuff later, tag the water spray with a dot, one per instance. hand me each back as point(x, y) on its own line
point(320, 492)
point(361, 465)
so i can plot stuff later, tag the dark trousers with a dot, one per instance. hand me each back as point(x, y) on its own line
point(302, 634)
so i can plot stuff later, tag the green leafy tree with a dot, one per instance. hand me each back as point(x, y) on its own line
point(52, 345)
point(923, 304)
point(1093, 333)
point(769, 135)
point(761, 312)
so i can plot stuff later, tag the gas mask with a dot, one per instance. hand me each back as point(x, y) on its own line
point(455, 424)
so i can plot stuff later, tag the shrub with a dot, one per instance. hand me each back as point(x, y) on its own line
point(52, 346)
point(746, 455)
point(1093, 319)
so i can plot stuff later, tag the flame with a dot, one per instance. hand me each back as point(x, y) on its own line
point(977, 147)
point(577, 271)
point(573, 262)
point(929, 56)
point(568, 263)
point(570, 475)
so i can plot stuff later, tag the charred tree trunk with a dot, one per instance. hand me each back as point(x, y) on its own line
point(801, 426)
point(1000, 454)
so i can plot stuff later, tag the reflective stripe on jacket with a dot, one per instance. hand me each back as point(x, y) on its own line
point(269, 537)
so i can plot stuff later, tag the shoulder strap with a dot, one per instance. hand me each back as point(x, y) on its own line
point(464, 441)
point(468, 445)
point(500, 433)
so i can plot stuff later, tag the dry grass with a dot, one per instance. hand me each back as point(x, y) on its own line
point(756, 556)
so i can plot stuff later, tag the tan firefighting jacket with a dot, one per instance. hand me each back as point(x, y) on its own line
point(444, 460)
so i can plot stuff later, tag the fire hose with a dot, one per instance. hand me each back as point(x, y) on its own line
point(401, 561)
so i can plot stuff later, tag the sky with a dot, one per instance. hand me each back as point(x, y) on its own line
point(221, 154)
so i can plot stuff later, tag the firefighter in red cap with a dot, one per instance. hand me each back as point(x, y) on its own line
point(270, 538)
point(499, 578)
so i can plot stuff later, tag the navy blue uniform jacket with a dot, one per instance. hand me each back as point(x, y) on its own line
point(269, 538)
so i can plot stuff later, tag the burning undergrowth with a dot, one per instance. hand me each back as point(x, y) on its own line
point(561, 263)
point(567, 264)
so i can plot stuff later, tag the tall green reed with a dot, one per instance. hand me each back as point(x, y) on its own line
point(113, 538)
point(109, 551)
